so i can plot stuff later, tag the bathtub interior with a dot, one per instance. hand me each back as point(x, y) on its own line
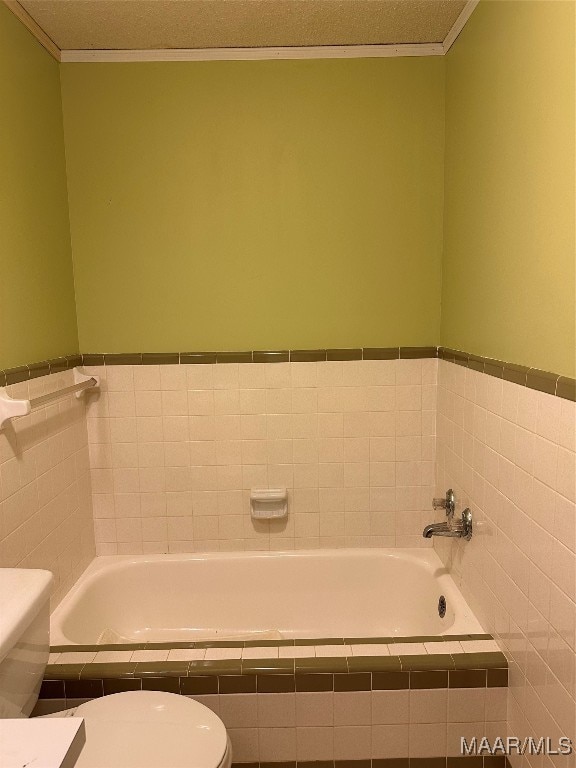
point(261, 596)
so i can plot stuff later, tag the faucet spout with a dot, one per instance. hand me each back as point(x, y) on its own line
point(435, 529)
point(460, 530)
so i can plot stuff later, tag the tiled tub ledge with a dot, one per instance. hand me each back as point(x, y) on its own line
point(219, 650)
point(334, 703)
point(282, 642)
point(276, 666)
point(92, 680)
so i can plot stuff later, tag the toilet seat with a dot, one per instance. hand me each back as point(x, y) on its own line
point(149, 729)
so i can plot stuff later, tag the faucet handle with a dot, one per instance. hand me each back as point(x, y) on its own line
point(448, 503)
point(467, 524)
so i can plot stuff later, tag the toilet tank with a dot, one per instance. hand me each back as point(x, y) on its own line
point(24, 637)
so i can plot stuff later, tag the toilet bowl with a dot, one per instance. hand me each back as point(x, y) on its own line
point(149, 729)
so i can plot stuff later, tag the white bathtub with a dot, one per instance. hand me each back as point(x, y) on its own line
point(267, 595)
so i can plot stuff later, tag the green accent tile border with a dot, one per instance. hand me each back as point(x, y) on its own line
point(114, 685)
point(283, 764)
point(515, 373)
point(436, 678)
point(281, 356)
point(533, 378)
point(542, 381)
point(160, 358)
point(92, 360)
point(391, 762)
point(63, 671)
point(101, 671)
point(230, 676)
point(84, 689)
point(307, 355)
point(204, 684)
point(36, 370)
point(391, 681)
point(42, 368)
point(374, 664)
point(314, 682)
point(275, 683)
point(494, 368)
point(123, 358)
point(353, 681)
point(164, 684)
point(280, 643)
point(467, 678)
point(417, 353)
point(159, 669)
point(324, 664)
point(234, 357)
point(490, 660)
point(428, 762)
point(471, 761)
point(57, 365)
point(497, 678)
point(421, 663)
point(198, 358)
point(566, 388)
point(381, 353)
point(354, 763)
point(343, 354)
point(17, 375)
point(477, 761)
point(268, 666)
point(52, 689)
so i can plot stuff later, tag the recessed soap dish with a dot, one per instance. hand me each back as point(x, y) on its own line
point(268, 503)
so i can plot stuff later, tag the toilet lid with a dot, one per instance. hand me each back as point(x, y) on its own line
point(149, 729)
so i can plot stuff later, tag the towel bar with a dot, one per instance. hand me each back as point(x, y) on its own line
point(11, 408)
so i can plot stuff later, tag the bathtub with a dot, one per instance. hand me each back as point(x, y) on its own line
point(261, 595)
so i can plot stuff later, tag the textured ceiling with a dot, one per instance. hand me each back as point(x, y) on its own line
point(149, 24)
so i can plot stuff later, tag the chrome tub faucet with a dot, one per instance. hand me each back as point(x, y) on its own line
point(461, 529)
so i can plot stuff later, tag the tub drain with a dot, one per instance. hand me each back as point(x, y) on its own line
point(442, 606)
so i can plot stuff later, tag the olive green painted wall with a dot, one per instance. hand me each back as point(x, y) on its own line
point(231, 205)
point(37, 312)
point(508, 279)
point(296, 203)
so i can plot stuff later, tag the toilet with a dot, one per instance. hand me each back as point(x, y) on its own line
point(136, 729)
point(150, 729)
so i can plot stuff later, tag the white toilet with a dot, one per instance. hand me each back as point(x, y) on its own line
point(149, 729)
point(137, 729)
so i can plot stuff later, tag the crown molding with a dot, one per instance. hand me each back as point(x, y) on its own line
point(458, 25)
point(33, 27)
point(256, 54)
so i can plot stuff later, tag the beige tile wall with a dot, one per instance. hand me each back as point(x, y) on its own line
point(509, 454)
point(357, 725)
point(174, 450)
point(361, 725)
point(45, 495)
point(278, 727)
